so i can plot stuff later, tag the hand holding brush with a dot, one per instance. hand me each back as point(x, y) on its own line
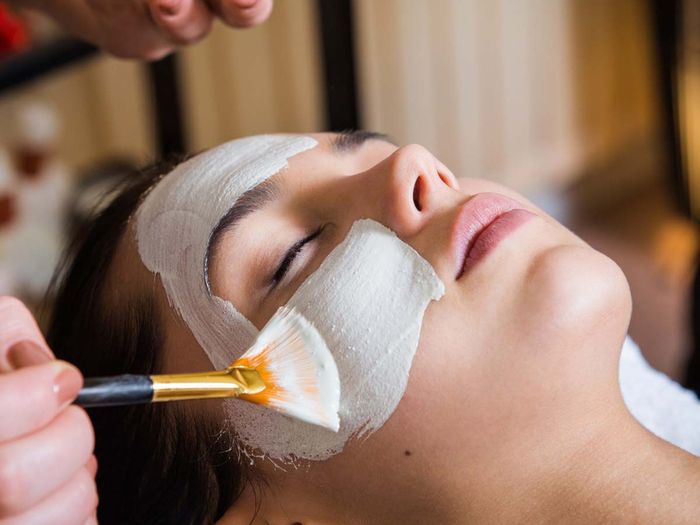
point(288, 369)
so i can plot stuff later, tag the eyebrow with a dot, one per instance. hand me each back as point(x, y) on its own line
point(252, 200)
point(350, 140)
point(258, 197)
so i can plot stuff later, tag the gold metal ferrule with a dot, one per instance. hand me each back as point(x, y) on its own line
point(232, 382)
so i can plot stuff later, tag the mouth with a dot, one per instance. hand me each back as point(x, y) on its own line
point(482, 223)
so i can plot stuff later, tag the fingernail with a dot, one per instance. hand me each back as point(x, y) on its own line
point(169, 7)
point(27, 353)
point(67, 384)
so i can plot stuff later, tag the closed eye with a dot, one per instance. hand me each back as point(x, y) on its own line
point(291, 254)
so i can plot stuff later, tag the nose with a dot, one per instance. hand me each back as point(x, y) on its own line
point(415, 183)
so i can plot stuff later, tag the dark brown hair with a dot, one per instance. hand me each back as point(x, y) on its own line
point(161, 463)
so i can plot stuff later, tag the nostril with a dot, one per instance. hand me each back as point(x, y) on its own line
point(417, 191)
point(445, 179)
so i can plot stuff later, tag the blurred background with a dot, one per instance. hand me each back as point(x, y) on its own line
point(589, 107)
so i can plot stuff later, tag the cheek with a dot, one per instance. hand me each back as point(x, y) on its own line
point(571, 289)
point(489, 351)
point(367, 300)
point(474, 382)
point(541, 282)
point(456, 404)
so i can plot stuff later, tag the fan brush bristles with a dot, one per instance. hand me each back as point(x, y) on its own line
point(299, 372)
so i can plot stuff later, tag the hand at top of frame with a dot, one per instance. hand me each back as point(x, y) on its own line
point(148, 29)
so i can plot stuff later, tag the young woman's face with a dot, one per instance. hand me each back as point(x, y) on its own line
point(505, 348)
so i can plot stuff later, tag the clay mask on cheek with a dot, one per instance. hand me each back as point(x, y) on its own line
point(367, 299)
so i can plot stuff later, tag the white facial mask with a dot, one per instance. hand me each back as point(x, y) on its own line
point(178, 216)
point(367, 299)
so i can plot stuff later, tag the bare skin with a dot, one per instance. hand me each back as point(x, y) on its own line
point(148, 29)
point(513, 411)
point(38, 426)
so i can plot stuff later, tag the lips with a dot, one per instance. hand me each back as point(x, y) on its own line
point(480, 225)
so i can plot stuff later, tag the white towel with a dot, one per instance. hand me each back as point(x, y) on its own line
point(659, 403)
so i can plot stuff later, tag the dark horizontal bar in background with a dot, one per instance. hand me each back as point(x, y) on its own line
point(42, 59)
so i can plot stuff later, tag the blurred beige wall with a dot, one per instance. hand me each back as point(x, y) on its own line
point(261, 80)
point(234, 83)
point(528, 93)
point(102, 109)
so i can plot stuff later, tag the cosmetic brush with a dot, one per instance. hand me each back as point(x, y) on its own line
point(288, 369)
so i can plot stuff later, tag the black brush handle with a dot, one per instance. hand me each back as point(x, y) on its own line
point(126, 389)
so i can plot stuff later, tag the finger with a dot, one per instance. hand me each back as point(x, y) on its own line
point(31, 397)
point(35, 466)
point(182, 21)
point(17, 324)
point(91, 465)
point(26, 353)
point(72, 504)
point(242, 13)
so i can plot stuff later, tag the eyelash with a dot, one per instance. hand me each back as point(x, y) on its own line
point(291, 254)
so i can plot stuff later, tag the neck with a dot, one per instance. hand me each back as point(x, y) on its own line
point(610, 472)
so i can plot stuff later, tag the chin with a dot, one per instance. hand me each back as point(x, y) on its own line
point(579, 291)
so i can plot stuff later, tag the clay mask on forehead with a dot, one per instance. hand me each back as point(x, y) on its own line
point(367, 299)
